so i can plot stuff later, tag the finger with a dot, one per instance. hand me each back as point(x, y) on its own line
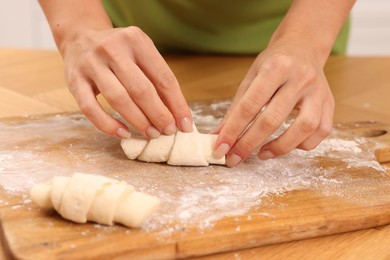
point(217, 129)
point(267, 122)
point(157, 70)
point(306, 123)
point(85, 97)
point(141, 92)
point(151, 63)
point(242, 89)
point(324, 129)
point(116, 95)
point(267, 68)
point(258, 94)
point(220, 125)
point(240, 92)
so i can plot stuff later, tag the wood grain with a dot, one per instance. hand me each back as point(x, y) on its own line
point(383, 155)
point(363, 201)
point(359, 85)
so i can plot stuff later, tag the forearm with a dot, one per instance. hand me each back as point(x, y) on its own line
point(70, 18)
point(313, 24)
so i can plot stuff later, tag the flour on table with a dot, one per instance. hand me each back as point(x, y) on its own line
point(36, 151)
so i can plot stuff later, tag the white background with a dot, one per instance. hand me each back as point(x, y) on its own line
point(23, 25)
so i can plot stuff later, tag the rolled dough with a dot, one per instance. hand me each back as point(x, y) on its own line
point(134, 146)
point(41, 195)
point(189, 149)
point(60, 183)
point(106, 201)
point(78, 196)
point(87, 197)
point(135, 207)
point(158, 150)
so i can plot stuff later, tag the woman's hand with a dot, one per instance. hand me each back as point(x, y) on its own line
point(125, 67)
point(287, 75)
point(122, 64)
point(281, 79)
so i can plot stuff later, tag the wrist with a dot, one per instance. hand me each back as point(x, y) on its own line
point(315, 46)
point(70, 19)
point(313, 26)
point(68, 33)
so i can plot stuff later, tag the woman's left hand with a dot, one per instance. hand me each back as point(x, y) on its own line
point(283, 77)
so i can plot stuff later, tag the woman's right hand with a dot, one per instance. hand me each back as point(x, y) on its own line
point(125, 67)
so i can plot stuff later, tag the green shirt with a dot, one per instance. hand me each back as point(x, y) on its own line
point(207, 26)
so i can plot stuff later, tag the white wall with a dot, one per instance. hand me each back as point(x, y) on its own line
point(23, 25)
point(370, 28)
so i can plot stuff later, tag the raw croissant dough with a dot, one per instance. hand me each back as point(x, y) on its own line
point(190, 149)
point(86, 197)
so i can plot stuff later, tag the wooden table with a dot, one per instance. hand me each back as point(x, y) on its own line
point(31, 82)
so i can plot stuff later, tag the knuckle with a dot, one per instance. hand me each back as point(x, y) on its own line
point(306, 146)
point(180, 108)
point(282, 62)
point(87, 108)
point(134, 30)
point(109, 46)
point(244, 148)
point(138, 90)
point(161, 119)
point(324, 131)
point(307, 73)
point(269, 66)
point(72, 81)
point(89, 64)
point(88, 59)
point(308, 125)
point(106, 48)
point(271, 121)
point(115, 98)
point(249, 109)
point(134, 34)
point(167, 80)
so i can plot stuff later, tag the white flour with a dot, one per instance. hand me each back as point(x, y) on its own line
point(36, 151)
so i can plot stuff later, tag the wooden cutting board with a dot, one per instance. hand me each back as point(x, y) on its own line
point(338, 187)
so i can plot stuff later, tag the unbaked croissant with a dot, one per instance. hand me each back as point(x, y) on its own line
point(86, 197)
point(190, 149)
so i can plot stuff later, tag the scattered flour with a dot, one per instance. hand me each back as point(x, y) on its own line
point(37, 150)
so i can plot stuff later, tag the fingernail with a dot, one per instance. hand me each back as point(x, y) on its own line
point(233, 160)
point(123, 133)
point(170, 129)
point(186, 125)
point(265, 155)
point(152, 132)
point(221, 151)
